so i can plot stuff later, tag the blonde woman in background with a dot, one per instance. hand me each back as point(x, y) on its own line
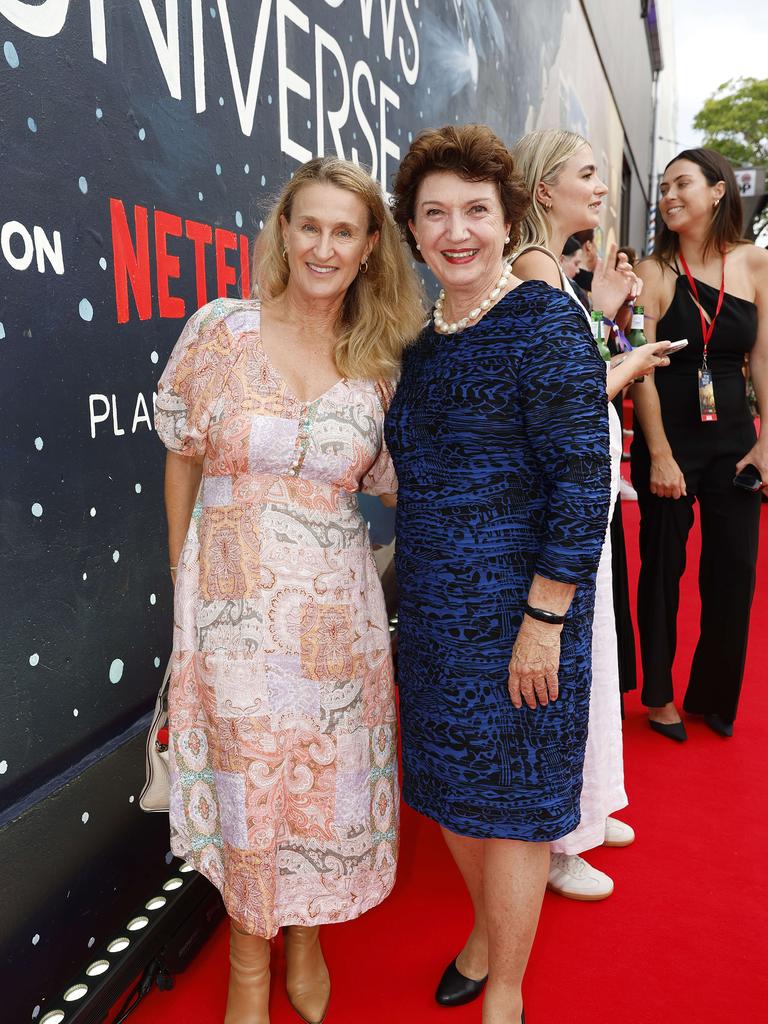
point(559, 169)
point(283, 745)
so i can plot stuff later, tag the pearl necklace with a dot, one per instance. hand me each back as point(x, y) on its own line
point(451, 328)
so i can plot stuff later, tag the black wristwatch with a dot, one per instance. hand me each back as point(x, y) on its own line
point(542, 615)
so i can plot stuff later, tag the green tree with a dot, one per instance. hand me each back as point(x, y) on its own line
point(735, 121)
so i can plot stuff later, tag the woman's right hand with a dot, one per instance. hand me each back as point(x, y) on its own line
point(667, 480)
point(648, 357)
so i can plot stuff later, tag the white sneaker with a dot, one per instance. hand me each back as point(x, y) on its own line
point(572, 876)
point(626, 491)
point(618, 833)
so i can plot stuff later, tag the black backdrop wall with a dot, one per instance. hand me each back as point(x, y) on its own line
point(140, 145)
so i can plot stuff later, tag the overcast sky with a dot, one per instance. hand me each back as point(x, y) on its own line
point(715, 40)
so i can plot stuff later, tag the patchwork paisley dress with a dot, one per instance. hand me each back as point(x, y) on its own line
point(282, 720)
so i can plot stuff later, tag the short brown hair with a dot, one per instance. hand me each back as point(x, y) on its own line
point(727, 217)
point(474, 153)
point(587, 235)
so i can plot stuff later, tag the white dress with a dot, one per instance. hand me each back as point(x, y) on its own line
point(603, 788)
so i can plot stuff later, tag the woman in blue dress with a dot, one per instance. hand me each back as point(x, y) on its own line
point(499, 435)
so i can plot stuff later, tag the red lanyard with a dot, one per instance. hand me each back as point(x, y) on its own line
point(707, 329)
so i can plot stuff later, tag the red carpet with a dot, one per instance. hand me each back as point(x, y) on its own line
point(684, 938)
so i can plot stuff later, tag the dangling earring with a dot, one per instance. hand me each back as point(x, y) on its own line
point(548, 207)
point(285, 253)
point(364, 266)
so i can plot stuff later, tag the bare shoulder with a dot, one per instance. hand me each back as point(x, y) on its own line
point(756, 258)
point(658, 285)
point(535, 265)
point(651, 271)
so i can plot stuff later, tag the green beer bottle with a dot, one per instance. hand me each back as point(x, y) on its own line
point(597, 334)
point(636, 336)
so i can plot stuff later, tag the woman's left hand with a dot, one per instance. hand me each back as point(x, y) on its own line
point(534, 664)
point(757, 456)
point(614, 283)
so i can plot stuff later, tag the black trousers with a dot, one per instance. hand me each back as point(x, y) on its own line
point(730, 522)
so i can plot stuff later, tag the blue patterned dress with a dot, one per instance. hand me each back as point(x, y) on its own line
point(499, 436)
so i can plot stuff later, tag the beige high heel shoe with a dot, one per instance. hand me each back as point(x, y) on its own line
point(306, 978)
point(248, 995)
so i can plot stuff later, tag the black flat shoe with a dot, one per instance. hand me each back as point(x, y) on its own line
point(719, 725)
point(456, 990)
point(672, 730)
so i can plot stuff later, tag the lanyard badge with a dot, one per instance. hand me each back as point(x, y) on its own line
point(707, 395)
point(707, 406)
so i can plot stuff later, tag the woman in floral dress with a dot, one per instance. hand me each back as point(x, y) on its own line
point(282, 721)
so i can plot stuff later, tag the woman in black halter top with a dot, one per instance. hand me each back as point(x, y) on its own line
point(681, 454)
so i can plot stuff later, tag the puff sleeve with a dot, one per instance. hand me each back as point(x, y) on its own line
point(192, 381)
point(381, 478)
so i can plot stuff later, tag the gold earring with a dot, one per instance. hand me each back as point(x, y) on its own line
point(364, 266)
point(285, 253)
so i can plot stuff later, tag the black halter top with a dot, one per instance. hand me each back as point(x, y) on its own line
point(693, 442)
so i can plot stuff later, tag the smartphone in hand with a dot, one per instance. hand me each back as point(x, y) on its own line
point(748, 479)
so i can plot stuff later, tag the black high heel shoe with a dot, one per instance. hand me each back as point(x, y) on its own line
point(672, 730)
point(719, 725)
point(456, 990)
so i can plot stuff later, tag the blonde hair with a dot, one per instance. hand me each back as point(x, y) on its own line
point(383, 309)
point(541, 156)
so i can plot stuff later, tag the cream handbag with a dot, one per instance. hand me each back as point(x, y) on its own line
point(156, 793)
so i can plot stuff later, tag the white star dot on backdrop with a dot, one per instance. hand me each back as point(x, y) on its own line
point(11, 54)
point(37, 510)
point(82, 184)
point(32, 124)
point(34, 659)
point(86, 310)
point(116, 671)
